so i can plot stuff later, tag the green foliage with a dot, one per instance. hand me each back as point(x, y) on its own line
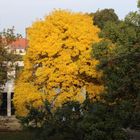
point(36, 116)
point(6, 38)
point(101, 17)
point(101, 50)
point(133, 18)
point(138, 4)
point(120, 33)
point(100, 123)
point(119, 54)
point(77, 121)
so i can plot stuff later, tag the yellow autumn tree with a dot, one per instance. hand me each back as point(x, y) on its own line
point(58, 64)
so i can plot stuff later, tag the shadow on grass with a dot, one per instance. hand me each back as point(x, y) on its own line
point(19, 135)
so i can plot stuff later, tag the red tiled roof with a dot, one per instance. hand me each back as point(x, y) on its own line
point(21, 43)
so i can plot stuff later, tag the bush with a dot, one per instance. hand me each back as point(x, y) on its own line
point(77, 121)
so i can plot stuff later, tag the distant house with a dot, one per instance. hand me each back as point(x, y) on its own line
point(17, 47)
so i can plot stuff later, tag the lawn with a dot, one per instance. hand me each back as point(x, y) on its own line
point(24, 135)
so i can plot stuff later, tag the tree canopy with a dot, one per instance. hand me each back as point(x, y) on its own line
point(7, 36)
point(58, 64)
point(120, 64)
point(101, 17)
point(59, 67)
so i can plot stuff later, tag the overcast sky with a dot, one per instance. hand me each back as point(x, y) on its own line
point(22, 13)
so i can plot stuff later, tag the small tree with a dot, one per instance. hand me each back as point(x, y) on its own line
point(7, 36)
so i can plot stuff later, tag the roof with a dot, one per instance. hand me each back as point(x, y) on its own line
point(20, 43)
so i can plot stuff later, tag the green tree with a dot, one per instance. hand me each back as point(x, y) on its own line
point(122, 33)
point(101, 17)
point(119, 54)
point(7, 36)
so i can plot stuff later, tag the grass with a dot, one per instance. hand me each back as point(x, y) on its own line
point(23, 135)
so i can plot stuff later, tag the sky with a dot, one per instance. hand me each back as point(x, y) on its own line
point(22, 13)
